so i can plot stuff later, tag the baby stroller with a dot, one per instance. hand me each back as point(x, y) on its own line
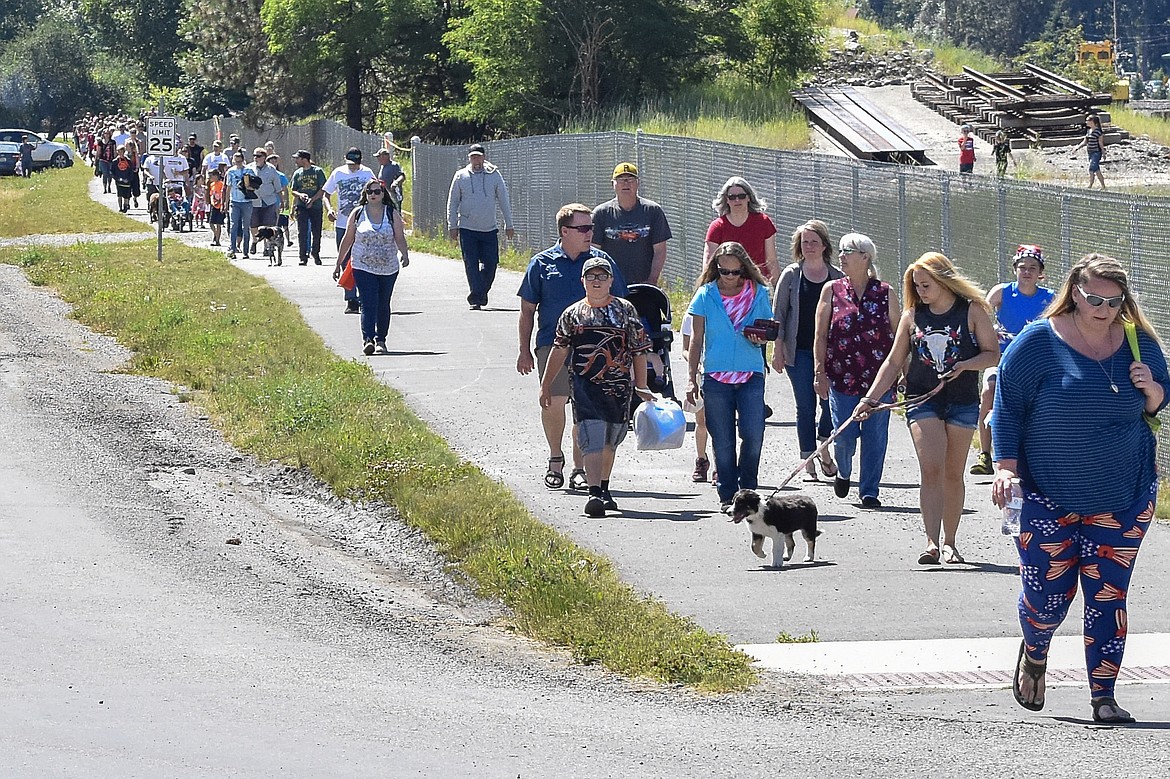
point(178, 210)
point(654, 308)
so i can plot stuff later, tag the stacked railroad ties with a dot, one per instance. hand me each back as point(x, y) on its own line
point(1034, 108)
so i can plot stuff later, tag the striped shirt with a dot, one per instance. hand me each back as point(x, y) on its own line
point(737, 308)
point(1093, 140)
point(1077, 441)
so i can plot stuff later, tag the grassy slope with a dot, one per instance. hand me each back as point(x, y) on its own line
point(278, 393)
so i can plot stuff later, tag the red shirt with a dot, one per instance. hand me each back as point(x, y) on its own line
point(966, 150)
point(752, 234)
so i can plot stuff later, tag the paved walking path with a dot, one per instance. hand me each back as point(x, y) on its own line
point(456, 368)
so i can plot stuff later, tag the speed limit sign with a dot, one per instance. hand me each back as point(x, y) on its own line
point(160, 136)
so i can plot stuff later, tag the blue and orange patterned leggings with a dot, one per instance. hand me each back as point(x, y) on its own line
point(1058, 549)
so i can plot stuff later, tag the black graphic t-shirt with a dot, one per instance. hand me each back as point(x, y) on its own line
point(937, 342)
point(604, 341)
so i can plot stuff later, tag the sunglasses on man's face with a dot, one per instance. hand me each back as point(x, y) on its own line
point(730, 271)
point(1096, 301)
point(581, 228)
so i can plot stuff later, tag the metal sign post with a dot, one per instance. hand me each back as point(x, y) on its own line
point(160, 141)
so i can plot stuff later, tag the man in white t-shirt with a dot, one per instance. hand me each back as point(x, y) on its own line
point(216, 156)
point(174, 168)
point(347, 182)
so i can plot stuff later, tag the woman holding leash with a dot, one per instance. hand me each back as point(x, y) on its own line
point(375, 243)
point(855, 332)
point(946, 333)
point(795, 308)
point(731, 294)
point(1072, 430)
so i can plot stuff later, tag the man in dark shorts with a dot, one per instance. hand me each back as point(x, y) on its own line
point(602, 338)
point(551, 284)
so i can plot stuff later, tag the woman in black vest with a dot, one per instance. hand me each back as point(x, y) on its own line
point(946, 333)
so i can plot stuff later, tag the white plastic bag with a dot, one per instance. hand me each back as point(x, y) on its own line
point(659, 424)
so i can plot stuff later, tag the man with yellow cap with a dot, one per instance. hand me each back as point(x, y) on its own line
point(631, 229)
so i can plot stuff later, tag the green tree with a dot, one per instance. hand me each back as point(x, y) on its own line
point(784, 36)
point(505, 44)
point(344, 47)
point(145, 32)
point(43, 91)
point(534, 64)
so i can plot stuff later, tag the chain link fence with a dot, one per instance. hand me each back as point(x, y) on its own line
point(326, 139)
point(977, 221)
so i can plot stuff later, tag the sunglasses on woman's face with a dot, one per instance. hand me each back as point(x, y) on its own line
point(737, 196)
point(1096, 301)
point(373, 191)
point(731, 271)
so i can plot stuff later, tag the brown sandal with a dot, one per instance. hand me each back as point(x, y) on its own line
point(700, 472)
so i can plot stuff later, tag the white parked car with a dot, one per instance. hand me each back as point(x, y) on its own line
point(46, 153)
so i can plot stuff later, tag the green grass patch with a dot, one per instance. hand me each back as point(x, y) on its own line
point(277, 392)
point(730, 109)
point(804, 638)
point(56, 201)
point(1139, 124)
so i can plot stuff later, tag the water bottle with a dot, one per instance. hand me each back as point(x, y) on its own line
point(1011, 510)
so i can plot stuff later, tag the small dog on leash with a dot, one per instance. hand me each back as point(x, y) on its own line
point(273, 238)
point(780, 515)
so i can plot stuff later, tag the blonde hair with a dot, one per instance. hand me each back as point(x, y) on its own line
point(945, 274)
point(1106, 268)
point(730, 249)
point(822, 230)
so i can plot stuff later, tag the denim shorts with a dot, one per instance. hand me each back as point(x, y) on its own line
point(957, 414)
point(593, 435)
point(1094, 161)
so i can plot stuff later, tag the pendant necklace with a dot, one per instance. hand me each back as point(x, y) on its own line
point(1109, 373)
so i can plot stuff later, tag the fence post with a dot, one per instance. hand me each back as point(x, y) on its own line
point(1135, 243)
point(945, 217)
point(903, 225)
point(638, 156)
point(856, 176)
point(1066, 231)
point(1001, 229)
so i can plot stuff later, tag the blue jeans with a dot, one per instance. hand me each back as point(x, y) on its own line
point(726, 405)
point(481, 256)
point(376, 289)
point(241, 218)
point(808, 430)
point(874, 433)
point(339, 233)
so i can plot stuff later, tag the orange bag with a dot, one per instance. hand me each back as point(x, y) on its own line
point(346, 278)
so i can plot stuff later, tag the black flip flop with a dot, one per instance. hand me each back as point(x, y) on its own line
point(1122, 718)
point(1035, 673)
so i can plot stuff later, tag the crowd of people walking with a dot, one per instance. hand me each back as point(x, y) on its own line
point(1033, 375)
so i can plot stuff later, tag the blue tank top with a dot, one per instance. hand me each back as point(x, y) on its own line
point(1017, 309)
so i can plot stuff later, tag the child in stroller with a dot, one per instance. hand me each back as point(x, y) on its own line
point(178, 206)
point(653, 306)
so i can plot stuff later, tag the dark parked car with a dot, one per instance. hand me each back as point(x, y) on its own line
point(9, 156)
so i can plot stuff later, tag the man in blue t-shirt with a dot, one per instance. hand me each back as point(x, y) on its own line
point(1016, 304)
point(552, 282)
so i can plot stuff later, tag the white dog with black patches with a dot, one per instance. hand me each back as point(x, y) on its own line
point(780, 515)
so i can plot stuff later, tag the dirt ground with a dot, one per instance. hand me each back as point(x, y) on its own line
point(1136, 164)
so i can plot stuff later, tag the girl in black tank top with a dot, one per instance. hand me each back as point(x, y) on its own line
point(937, 342)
